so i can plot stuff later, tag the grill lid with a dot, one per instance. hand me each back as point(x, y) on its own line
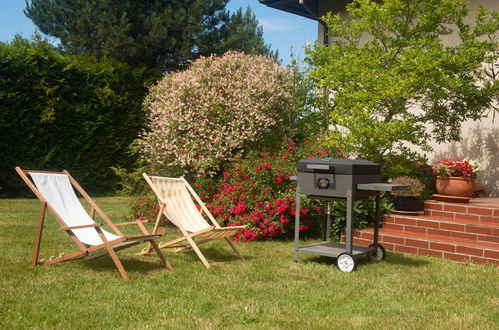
point(338, 166)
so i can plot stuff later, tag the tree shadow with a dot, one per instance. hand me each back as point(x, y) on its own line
point(481, 145)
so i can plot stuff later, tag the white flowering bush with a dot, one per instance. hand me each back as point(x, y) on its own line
point(216, 111)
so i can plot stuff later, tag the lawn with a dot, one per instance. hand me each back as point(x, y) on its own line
point(267, 291)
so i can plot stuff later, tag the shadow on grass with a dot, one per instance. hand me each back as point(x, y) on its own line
point(131, 264)
point(391, 258)
point(213, 254)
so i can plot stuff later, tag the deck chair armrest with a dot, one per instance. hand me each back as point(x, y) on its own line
point(82, 226)
point(130, 223)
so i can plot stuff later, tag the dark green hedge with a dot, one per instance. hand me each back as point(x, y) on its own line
point(61, 111)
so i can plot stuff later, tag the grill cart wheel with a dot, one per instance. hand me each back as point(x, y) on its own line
point(377, 255)
point(346, 262)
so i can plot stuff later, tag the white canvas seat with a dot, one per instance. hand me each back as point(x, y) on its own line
point(55, 191)
point(177, 202)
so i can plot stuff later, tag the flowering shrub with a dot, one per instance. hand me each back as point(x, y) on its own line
point(258, 192)
point(145, 207)
point(457, 168)
point(218, 109)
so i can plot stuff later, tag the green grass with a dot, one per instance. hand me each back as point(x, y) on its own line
point(267, 291)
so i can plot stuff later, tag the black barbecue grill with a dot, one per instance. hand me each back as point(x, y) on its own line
point(346, 180)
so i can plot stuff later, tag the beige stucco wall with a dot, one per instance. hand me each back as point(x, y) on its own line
point(480, 139)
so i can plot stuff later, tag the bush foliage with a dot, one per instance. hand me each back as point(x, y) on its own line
point(69, 112)
point(258, 192)
point(220, 108)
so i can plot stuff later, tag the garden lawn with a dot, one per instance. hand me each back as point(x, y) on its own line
point(268, 290)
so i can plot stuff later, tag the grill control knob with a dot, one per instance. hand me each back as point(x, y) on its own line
point(323, 183)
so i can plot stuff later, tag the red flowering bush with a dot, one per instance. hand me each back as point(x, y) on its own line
point(457, 168)
point(145, 208)
point(258, 192)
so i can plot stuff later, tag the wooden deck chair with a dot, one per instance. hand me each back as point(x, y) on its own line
point(55, 191)
point(175, 197)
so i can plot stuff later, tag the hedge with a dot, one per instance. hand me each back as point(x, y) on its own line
point(61, 111)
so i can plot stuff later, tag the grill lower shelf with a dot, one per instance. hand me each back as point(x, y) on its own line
point(330, 249)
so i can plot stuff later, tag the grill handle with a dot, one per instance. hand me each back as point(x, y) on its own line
point(321, 168)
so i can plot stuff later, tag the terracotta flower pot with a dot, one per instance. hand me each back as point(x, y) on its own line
point(455, 186)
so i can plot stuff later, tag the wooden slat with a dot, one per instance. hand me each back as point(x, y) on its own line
point(80, 227)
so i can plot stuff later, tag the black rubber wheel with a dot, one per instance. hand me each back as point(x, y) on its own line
point(378, 254)
point(346, 262)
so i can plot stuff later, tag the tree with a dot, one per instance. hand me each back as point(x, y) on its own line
point(389, 59)
point(158, 34)
point(241, 31)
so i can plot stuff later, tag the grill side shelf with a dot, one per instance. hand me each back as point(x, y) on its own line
point(382, 186)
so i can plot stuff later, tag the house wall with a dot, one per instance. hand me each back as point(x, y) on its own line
point(479, 139)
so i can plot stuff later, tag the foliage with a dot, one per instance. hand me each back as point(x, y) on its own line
point(219, 109)
point(258, 192)
point(364, 213)
point(241, 32)
point(373, 85)
point(415, 186)
point(65, 112)
point(158, 34)
point(457, 168)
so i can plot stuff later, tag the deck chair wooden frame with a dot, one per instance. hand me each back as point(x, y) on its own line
point(191, 239)
point(86, 251)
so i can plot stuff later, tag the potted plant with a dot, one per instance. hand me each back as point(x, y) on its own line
point(407, 200)
point(456, 177)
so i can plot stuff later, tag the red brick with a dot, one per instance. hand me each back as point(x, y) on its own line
point(388, 246)
point(491, 254)
point(455, 208)
point(416, 243)
point(428, 224)
point(430, 253)
point(405, 221)
point(449, 215)
point(389, 219)
point(495, 232)
point(467, 217)
point(432, 206)
point(451, 226)
point(442, 247)
point(464, 235)
point(405, 249)
point(367, 235)
point(478, 260)
point(361, 242)
point(479, 210)
point(415, 229)
point(469, 251)
point(496, 212)
point(479, 230)
point(456, 257)
point(393, 226)
point(439, 232)
point(485, 238)
point(485, 218)
point(392, 239)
